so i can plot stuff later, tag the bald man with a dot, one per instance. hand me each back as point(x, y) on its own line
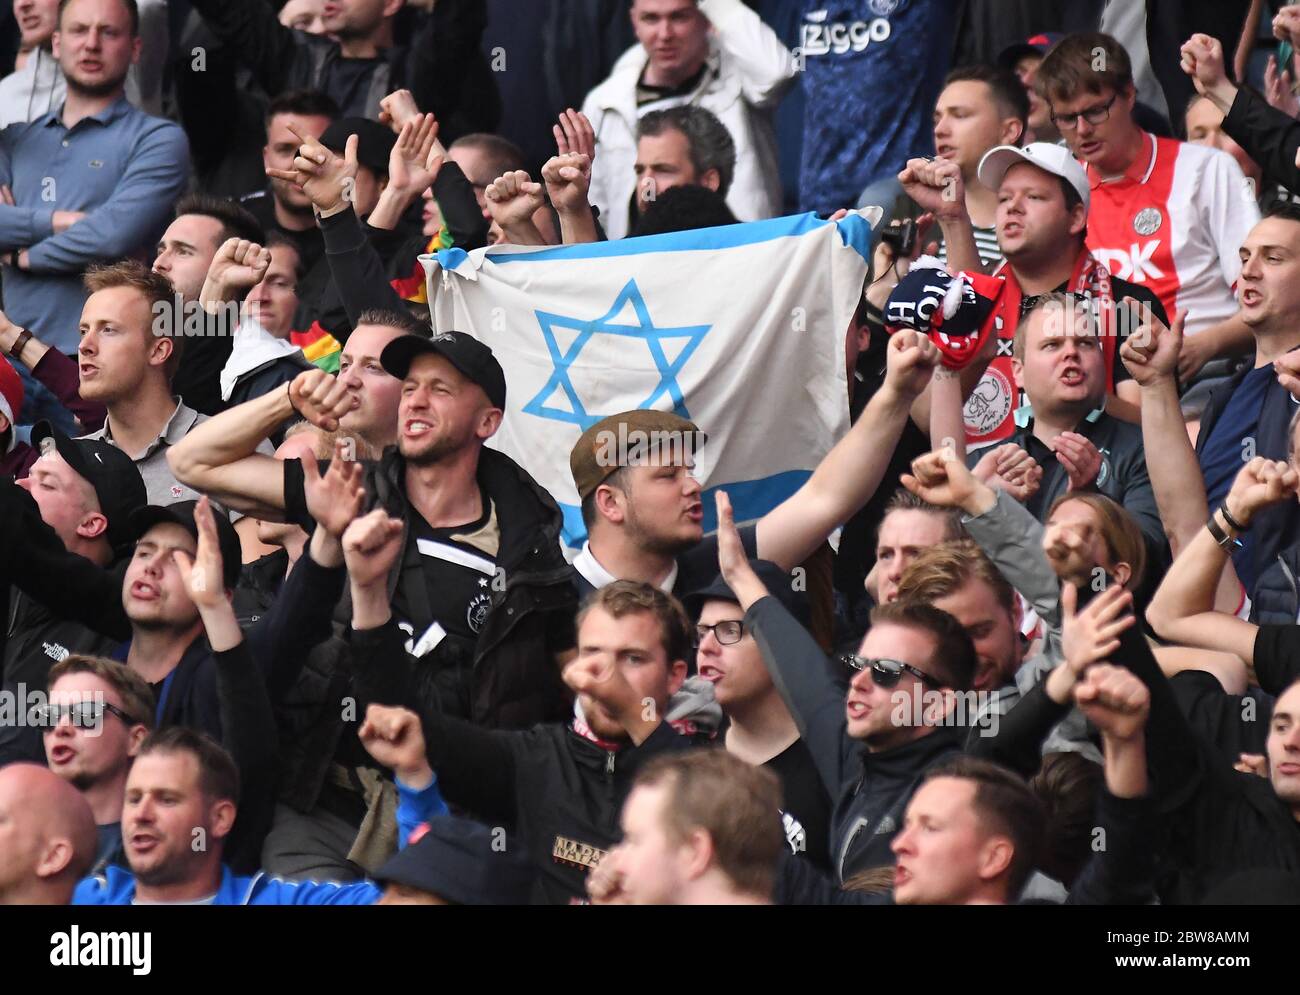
point(47, 837)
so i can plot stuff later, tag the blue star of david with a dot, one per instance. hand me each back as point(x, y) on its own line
point(644, 329)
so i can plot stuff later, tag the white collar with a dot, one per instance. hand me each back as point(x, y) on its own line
point(597, 576)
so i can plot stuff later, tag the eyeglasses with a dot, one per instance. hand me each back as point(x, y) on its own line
point(1095, 114)
point(83, 715)
point(728, 632)
point(886, 673)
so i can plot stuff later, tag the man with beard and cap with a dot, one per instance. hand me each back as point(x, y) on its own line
point(483, 594)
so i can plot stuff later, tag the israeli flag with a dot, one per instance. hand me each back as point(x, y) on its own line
point(739, 328)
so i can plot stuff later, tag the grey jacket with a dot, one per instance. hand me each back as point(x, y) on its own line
point(1013, 539)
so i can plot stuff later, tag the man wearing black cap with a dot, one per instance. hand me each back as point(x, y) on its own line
point(86, 491)
point(484, 593)
point(1022, 58)
point(760, 729)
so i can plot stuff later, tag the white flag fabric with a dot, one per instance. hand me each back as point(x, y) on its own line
point(740, 329)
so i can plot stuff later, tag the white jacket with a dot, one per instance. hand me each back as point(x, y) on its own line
point(748, 72)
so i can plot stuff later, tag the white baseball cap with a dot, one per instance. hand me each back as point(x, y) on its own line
point(1055, 159)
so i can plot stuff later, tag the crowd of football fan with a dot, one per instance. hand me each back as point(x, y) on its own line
point(282, 626)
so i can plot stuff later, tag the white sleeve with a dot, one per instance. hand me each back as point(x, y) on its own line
point(1228, 209)
point(766, 66)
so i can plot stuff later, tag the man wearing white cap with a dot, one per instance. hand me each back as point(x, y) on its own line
point(1041, 225)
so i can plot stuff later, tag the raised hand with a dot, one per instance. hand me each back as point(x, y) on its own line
point(1080, 459)
point(239, 265)
point(328, 180)
point(601, 679)
point(1069, 552)
point(397, 108)
point(941, 479)
point(910, 359)
point(322, 398)
point(605, 882)
point(568, 179)
point(393, 736)
point(417, 155)
point(513, 199)
point(1114, 701)
point(203, 572)
point(1202, 60)
point(1260, 483)
point(1287, 368)
point(1278, 88)
point(334, 498)
point(1151, 351)
point(1092, 635)
point(574, 134)
point(936, 185)
point(371, 545)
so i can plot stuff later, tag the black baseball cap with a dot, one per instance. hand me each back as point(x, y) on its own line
point(111, 472)
point(182, 514)
point(466, 353)
point(463, 862)
point(780, 584)
point(374, 145)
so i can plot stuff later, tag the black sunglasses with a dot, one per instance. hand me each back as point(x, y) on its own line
point(886, 673)
point(84, 715)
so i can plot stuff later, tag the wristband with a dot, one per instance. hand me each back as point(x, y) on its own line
point(24, 337)
point(1221, 538)
point(288, 396)
point(1232, 522)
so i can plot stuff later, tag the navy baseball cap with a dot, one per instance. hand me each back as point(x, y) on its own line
point(1039, 44)
point(112, 473)
point(182, 514)
point(462, 862)
point(466, 353)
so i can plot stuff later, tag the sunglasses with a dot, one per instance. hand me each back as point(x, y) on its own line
point(887, 673)
point(83, 715)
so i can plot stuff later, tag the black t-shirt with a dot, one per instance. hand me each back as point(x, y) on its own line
point(309, 242)
point(807, 807)
point(457, 574)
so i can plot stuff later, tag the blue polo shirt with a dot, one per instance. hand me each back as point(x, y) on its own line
point(123, 167)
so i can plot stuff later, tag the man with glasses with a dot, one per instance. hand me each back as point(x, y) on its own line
point(760, 729)
point(873, 747)
point(1166, 214)
point(99, 712)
